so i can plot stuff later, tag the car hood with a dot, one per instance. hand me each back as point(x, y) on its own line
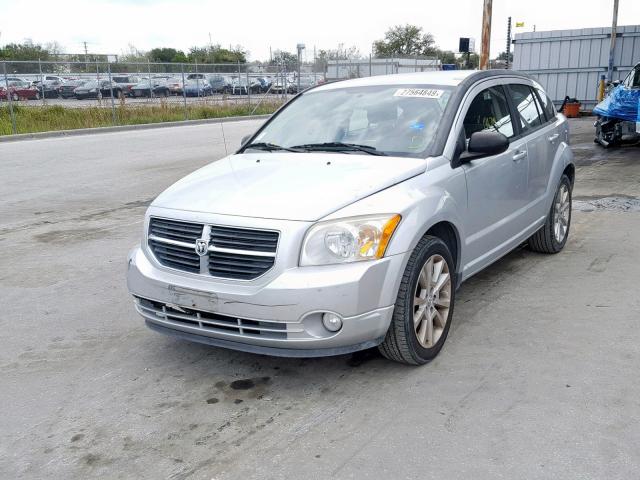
point(286, 186)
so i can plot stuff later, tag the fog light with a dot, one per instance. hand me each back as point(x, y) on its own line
point(331, 322)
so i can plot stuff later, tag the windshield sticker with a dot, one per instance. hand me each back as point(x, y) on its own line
point(418, 92)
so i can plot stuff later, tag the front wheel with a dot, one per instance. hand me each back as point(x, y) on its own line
point(424, 306)
point(552, 237)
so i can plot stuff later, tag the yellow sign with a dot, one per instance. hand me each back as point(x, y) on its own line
point(519, 24)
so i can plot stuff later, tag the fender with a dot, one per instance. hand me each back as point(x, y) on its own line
point(562, 159)
point(422, 201)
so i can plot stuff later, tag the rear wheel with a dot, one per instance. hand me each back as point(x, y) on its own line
point(424, 306)
point(552, 237)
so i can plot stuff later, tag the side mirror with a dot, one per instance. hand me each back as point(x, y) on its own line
point(245, 139)
point(481, 144)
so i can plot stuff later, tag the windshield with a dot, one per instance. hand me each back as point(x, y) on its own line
point(390, 119)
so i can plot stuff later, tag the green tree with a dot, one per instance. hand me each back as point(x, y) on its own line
point(447, 56)
point(288, 59)
point(217, 54)
point(503, 56)
point(167, 55)
point(405, 40)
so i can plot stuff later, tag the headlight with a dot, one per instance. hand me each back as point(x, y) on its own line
point(348, 240)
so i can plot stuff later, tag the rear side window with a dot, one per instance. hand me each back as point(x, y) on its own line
point(524, 100)
point(489, 110)
point(547, 105)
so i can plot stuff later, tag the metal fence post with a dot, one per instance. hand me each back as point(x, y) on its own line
point(248, 86)
point(239, 84)
point(150, 84)
point(113, 105)
point(44, 102)
point(184, 93)
point(370, 65)
point(11, 112)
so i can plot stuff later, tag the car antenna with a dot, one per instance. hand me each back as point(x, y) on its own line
point(224, 140)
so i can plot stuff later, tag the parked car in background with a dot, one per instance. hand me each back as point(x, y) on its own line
point(198, 88)
point(241, 87)
point(265, 83)
point(98, 89)
point(361, 208)
point(50, 87)
point(280, 85)
point(126, 82)
point(175, 86)
point(19, 90)
point(157, 87)
point(66, 90)
point(219, 83)
point(305, 82)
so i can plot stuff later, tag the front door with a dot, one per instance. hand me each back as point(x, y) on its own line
point(496, 185)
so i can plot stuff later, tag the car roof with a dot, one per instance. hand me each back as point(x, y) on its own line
point(451, 78)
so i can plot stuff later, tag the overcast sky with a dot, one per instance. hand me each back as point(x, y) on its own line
point(110, 25)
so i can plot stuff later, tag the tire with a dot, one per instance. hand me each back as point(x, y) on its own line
point(551, 238)
point(402, 343)
point(15, 97)
point(37, 96)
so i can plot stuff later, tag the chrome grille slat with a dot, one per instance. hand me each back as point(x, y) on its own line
point(233, 253)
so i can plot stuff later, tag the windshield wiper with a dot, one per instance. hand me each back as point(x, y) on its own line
point(339, 147)
point(271, 147)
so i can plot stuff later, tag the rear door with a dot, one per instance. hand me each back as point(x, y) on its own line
point(496, 185)
point(542, 139)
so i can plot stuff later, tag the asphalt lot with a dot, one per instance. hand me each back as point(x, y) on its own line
point(538, 379)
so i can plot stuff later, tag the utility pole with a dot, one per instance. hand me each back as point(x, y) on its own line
point(612, 46)
point(508, 42)
point(486, 34)
point(86, 53)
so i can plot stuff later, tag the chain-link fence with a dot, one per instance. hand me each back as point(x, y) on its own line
point(123, 93)
point(78, 94)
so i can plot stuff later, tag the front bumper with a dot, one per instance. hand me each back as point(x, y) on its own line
point(281, 317)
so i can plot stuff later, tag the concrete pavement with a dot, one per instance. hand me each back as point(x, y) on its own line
point(538, 379)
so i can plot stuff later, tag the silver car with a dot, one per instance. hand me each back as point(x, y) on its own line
point(350, 218)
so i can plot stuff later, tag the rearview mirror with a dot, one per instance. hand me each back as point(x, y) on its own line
point(245, 139)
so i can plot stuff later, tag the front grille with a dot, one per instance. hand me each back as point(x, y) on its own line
point(257, 240)
point(232, 252)
point(176, 256)
point(241, 267)
point(210, 322)
point(174, 230)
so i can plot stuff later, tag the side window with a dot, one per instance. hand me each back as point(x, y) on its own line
point(489, 111)
point(525, 103)
point(547, 105)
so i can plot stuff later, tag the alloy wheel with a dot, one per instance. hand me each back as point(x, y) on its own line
point(431, 301)
point(561, 211)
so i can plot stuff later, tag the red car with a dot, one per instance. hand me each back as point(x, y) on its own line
point(19, 90)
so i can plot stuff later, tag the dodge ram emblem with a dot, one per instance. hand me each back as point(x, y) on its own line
point(202, 247)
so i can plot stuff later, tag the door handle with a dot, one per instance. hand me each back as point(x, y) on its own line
point(553, 137)
point(519, 155)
